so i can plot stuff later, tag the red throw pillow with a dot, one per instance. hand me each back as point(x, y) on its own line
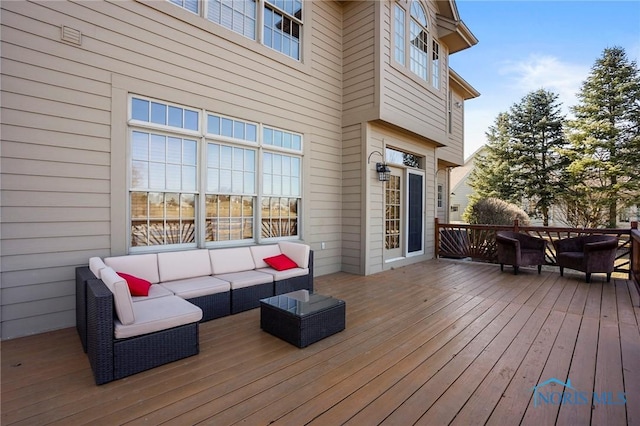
point(137, 286)
point(280, 262)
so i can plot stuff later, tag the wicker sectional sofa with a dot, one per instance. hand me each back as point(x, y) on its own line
point(124, 334)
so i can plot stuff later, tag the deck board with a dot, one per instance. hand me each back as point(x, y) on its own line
point(438, 342)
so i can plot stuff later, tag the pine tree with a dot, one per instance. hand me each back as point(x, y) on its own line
point(536, 127)
point(492, 175)
point(604, 174)
point(522, 158)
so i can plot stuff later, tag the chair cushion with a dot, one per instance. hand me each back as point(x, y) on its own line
point(297, 252)
point(139, 265)
point(246, 278)
point(284, 275)
point(158, 314)
point(280, 262)
point(156, 290)
point(180, 265)
point(226, 261)
point(96, 265)
point(137, 286)
point(121, 296)
point(260, 252)
point(196, 287)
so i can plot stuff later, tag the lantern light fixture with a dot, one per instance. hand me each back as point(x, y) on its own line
point(383, 170)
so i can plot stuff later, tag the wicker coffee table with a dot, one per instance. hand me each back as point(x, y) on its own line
point(302, 318)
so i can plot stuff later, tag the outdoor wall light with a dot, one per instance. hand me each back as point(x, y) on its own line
point(384, 172)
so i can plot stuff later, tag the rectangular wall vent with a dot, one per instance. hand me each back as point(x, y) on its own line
point(71, 35)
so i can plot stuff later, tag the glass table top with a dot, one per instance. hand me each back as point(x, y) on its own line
point(301, 302)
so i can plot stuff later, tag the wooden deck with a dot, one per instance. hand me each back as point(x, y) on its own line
point(440, 342)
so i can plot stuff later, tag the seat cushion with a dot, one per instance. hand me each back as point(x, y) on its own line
point(158, 314)
point(284, 275)
point(181, 265)
point(140, 265)
point(246, 278)
point(197, 287)
point(156, 290)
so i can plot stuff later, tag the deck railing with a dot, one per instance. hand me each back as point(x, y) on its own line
point(478, 242)
point(635, 255)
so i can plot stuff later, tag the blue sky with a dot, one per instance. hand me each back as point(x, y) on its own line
point(528, 45)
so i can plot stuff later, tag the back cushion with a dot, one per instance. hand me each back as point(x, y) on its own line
point(96, 265)
point(139, 265)
point(226, 261)
point(297, 252)
point(180, 265)
point(121, 296)
point(260, 252)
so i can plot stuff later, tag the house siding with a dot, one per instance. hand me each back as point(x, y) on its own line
point(407, 101)
point(64, 129)
point(64, 168)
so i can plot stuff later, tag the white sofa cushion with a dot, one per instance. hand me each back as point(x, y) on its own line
point(180, 265)
point(284, 275)
point(297, 252)
point(229, 260)
point(121, 296)
point(259, 253)
point(246, 278)
point(196, 287)
point(96, 265)
point(143, 266)
point(156, 290)
point(158, 314)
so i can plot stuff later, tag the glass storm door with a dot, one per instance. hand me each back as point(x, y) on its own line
point(404, 214)
point(393, 215)
point(415, 213)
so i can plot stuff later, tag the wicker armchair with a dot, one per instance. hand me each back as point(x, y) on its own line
point(588, 253)
point(520, 250)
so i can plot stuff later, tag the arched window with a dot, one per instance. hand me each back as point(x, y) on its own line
point(419, 41)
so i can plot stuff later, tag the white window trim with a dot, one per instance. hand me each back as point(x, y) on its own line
point(203, 138)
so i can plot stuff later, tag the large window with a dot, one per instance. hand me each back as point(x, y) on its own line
point(413, 45)
point(280, 21)
point(419, 39)
point(245, 186)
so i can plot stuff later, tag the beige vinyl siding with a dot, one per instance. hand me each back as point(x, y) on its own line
point(353, 180)
point(64, 129)
point(407, 101)
point(453, 152)
point(379, 137)
point(359, 72)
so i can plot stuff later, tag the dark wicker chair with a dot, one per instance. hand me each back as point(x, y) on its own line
point(518, 249)
point(588, 253)
point(111, 358)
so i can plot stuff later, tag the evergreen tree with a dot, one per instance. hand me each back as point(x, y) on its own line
point(492, 175)
point(605, 138)
point(522, 158)
point(536, 127)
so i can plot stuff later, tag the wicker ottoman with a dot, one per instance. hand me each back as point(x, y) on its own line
point(301, 318)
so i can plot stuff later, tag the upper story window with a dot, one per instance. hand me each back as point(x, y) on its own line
point(419, 38)
point(281, 20)
point(414, 46)
point(237, 15)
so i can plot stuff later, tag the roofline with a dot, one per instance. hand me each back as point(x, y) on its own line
point(470, 91)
